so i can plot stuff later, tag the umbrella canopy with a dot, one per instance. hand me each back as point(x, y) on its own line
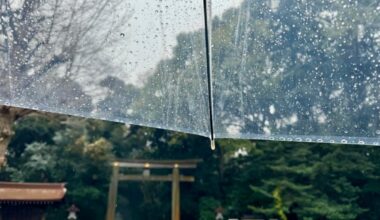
point(257, 69)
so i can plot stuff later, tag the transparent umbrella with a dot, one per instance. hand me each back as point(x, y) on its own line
point(260, 69)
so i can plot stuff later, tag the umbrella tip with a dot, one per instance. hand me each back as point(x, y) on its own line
point(212, 143)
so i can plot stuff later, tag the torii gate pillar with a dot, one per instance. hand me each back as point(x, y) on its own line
point(175, 195)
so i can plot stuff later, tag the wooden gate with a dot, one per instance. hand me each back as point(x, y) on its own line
point(146, 165)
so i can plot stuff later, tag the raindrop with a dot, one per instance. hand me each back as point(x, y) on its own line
point(122, 35)
point(272, 109)
point(343, 141)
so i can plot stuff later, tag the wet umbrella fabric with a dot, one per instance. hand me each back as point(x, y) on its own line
point(275, 70)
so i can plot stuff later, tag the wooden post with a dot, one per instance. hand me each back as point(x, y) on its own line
point(175, 194)
point(112, 195)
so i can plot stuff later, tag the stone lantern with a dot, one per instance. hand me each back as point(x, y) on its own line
point(72, 212)
point(219, 213)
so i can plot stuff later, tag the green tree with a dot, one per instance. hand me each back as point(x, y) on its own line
point(315, 181)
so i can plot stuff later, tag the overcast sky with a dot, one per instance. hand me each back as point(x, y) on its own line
point(150, 34)
point(145, 38)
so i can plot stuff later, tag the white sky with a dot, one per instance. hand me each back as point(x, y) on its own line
point(150, 34)
point(146, 38)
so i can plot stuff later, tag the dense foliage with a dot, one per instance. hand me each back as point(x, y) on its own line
point(272, 179)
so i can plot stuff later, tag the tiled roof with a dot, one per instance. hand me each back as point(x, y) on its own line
point(31, 192)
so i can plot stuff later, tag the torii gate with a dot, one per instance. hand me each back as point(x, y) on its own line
point(175, 178)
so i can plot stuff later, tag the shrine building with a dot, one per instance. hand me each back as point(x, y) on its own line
point(28, 201)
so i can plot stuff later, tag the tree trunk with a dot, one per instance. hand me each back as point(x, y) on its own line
point(6, 122)
point(8, 115)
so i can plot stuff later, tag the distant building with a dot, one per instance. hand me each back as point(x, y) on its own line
point(28, 201)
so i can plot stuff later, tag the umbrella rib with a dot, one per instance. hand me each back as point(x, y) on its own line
point(209, 71)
